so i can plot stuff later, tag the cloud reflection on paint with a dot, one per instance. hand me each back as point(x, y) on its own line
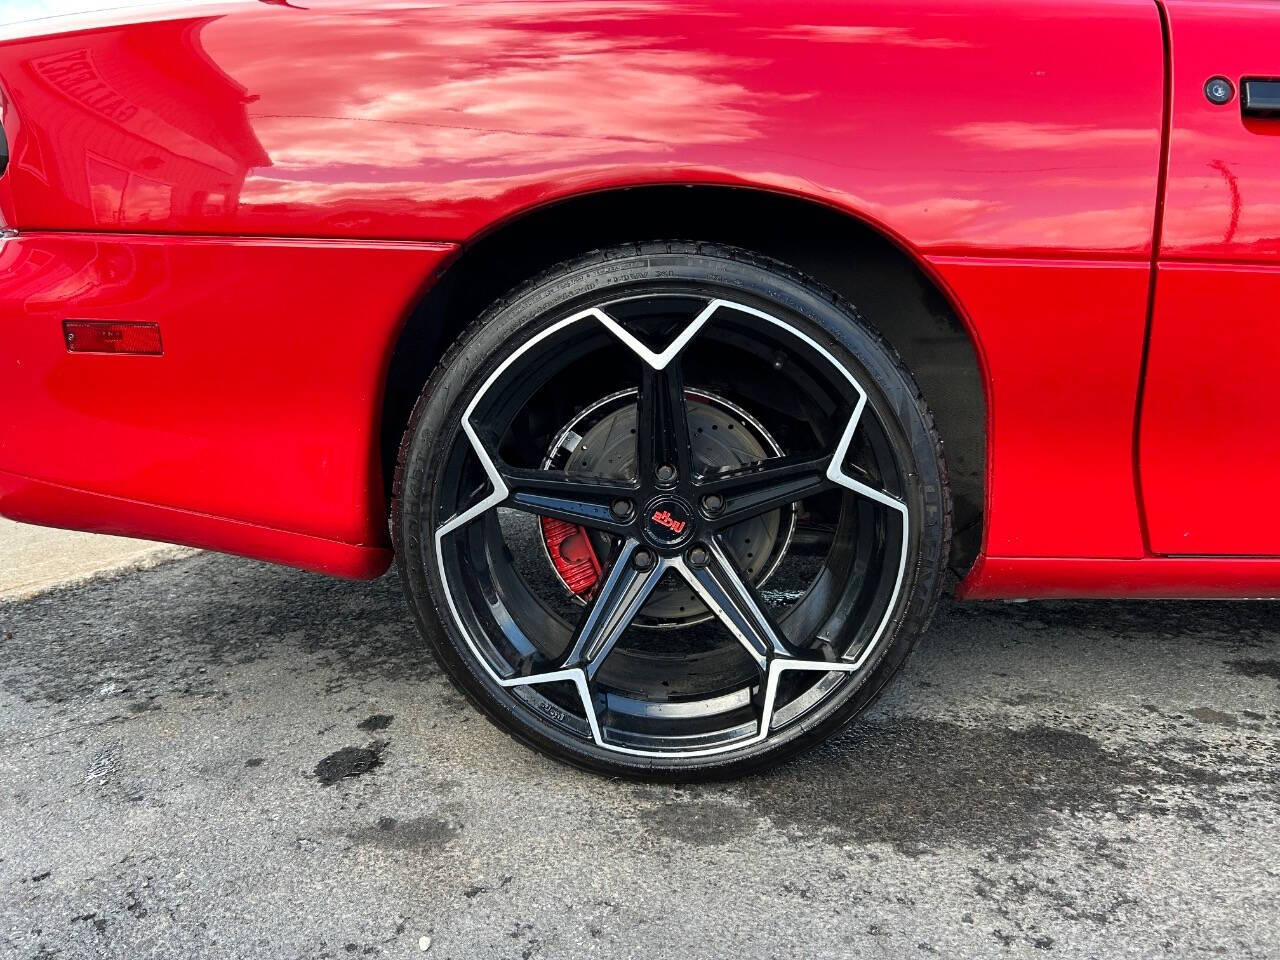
point(402, 120)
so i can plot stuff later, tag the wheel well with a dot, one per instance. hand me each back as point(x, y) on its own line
point(889, 289)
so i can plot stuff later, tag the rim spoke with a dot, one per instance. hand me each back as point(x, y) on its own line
point(882, 497)
point(619, 599)
point(737, 605)
point(589, 501)
point(733, 497)
point(662, 425)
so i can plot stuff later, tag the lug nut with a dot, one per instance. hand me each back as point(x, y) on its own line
point(642, 559)
point(713, 503)
point(699, 556)
point(666, 473)
point(622, 508)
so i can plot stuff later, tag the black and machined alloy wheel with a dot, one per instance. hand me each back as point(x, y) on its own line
point(671, 510)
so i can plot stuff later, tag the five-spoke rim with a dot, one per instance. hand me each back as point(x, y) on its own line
point(670, 518)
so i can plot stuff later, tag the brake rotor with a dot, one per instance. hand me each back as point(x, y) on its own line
point(601, 441)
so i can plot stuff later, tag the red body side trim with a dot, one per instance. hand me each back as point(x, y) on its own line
point(1062, 343)
point(36, 501)
point(1208, 578)
point(1210, 448)
point(1209, 453)
point(263, 407)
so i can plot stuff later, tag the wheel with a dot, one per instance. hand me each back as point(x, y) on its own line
point(671, 511)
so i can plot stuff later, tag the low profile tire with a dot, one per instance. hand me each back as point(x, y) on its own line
point(671, 510)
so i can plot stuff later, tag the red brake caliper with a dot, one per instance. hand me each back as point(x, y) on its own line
point(571, 551)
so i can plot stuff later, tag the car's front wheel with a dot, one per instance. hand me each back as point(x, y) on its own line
point(671, 510)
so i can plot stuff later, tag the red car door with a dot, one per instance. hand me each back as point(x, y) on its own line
point(1209, 447)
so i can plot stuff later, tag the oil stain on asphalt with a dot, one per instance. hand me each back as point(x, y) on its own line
point(349, 762)
point(1256, 668)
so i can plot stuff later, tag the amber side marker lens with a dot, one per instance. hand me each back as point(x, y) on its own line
point(111, 336)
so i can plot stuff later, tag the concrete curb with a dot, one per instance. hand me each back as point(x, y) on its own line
point(35, 560)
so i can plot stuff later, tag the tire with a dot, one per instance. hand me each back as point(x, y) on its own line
point(774, 441)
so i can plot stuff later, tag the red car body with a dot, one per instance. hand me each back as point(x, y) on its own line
point(276, 188)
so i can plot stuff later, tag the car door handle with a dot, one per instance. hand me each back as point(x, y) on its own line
point(1260, 98)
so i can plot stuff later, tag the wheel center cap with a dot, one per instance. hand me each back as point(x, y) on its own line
point(668, 522)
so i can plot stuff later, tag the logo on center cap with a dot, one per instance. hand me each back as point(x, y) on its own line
point(665, 518)
point(667, 522)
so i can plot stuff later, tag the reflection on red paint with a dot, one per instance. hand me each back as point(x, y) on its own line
point(75, 75)
point(384, 120)
point(135, 130)
point(1223, 197)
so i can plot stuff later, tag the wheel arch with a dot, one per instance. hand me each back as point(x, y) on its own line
point(891, 284)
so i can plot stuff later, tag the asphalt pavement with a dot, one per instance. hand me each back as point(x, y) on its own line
point(216, 758)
